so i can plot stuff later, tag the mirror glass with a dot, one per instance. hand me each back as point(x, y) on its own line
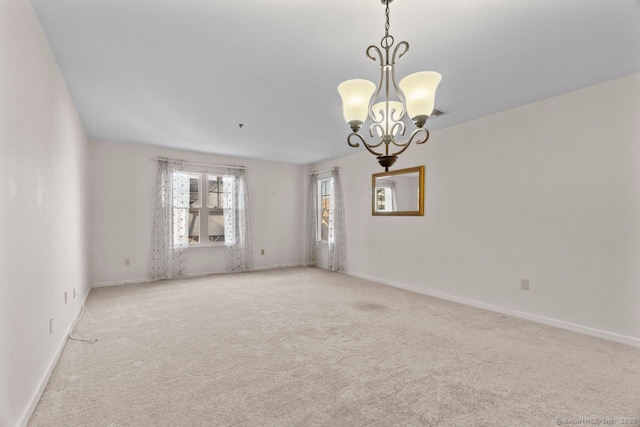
point(399, 192)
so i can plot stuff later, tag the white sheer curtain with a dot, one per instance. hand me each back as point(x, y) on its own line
point(237, 237)
point(337, 236)
point(311, 252)
point(170, 222)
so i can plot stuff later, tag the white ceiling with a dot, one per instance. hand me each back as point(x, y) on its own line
point(185, 73)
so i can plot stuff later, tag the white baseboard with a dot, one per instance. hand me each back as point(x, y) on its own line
point(209, 273)
point(35, 399)
point(120, 282)
point(611, 336)
point(271, 267)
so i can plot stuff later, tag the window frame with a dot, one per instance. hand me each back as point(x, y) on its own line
point(203, 210)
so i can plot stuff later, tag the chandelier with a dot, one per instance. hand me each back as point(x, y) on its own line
point(414, 96)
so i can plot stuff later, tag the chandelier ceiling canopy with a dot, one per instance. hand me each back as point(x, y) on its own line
point(386, 104)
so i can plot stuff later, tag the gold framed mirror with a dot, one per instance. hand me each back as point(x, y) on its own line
point(398, 193)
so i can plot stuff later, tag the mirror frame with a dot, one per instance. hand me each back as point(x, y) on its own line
point(417, 212)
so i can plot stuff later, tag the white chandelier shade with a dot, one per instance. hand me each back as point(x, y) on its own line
point(356, 95)
point(420, 91)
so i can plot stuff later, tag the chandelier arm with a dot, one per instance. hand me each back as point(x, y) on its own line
point(373, 145)
point(378, 51)
point(403, 53)
point(408, 142)
point(367, 146)
point(356, 145)
point(426, 137)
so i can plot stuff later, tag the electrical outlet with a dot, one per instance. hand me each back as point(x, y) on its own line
point(261, 251)
point(524, 284)
point(127, 261)
point(65, 297)
point(50, 326)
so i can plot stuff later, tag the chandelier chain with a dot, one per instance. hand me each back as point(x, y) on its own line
point(386, 25)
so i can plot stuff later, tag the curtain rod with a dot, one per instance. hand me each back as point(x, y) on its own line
point(200, 163)
point(325, 170)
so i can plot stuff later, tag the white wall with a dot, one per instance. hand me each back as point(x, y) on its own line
point(43, 215)
point(122, 178)
point(548, 192)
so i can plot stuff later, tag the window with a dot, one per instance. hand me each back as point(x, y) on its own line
point(206, 208)
point(196, 208)
point(384, 199)
point(324, 203)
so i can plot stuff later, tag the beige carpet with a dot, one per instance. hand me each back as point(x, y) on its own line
point(305, 347)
